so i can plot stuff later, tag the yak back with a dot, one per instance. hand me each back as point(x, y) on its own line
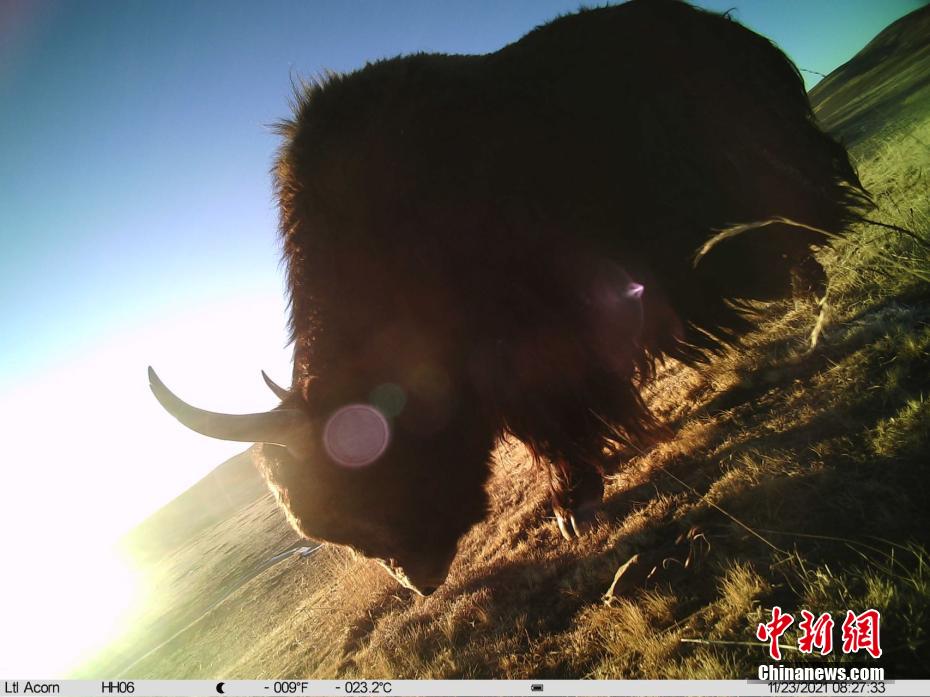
point(460, 201)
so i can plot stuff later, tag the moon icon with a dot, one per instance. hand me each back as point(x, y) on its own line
point(219, 688)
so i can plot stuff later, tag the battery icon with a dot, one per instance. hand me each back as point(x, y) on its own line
point(536, 687)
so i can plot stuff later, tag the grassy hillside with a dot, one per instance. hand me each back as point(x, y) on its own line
point(797, 477)
point(192, 581)
point(214, 498)
point(882, 89)
point(193, 552)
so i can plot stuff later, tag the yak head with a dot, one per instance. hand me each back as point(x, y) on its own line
point(354, 476)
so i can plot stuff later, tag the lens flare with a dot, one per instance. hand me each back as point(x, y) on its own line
point(356, 435)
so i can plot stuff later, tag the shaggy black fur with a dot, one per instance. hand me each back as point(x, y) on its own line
point(465, 227)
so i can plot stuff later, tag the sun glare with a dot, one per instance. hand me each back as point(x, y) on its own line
point(68, 604)
point(90, 454)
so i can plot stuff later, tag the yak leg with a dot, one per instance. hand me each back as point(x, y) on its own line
point(559, 486)
point(576, 494)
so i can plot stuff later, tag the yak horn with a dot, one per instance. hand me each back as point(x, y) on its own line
point(280, 426)
point(281, 393)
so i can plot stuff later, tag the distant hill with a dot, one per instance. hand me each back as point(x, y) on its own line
point(887, 83)
point(223, 491)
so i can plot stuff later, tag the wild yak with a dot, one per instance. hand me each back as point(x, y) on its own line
point(505, 244)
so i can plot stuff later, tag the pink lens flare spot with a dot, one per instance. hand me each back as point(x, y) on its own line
point(635, 290)
point(356, 435)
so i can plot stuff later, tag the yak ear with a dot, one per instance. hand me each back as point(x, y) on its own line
point(279, 391)
point(287, 427)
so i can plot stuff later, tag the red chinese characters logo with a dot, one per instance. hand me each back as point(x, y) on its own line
point(816, 634)
point(860, 632)
point(772, 631)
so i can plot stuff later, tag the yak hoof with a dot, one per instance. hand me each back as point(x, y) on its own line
point(563, 527)
point(572, 526)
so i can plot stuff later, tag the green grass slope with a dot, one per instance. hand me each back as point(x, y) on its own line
point(884, 87)
point(797, 478)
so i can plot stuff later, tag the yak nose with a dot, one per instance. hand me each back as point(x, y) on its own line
point(428, 590)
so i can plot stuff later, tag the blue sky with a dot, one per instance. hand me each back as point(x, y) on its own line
point(135, 152)
point(137, 227)
point(133, 176)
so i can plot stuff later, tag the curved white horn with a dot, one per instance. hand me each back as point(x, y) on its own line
point(280, 426)
point(281, 393)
